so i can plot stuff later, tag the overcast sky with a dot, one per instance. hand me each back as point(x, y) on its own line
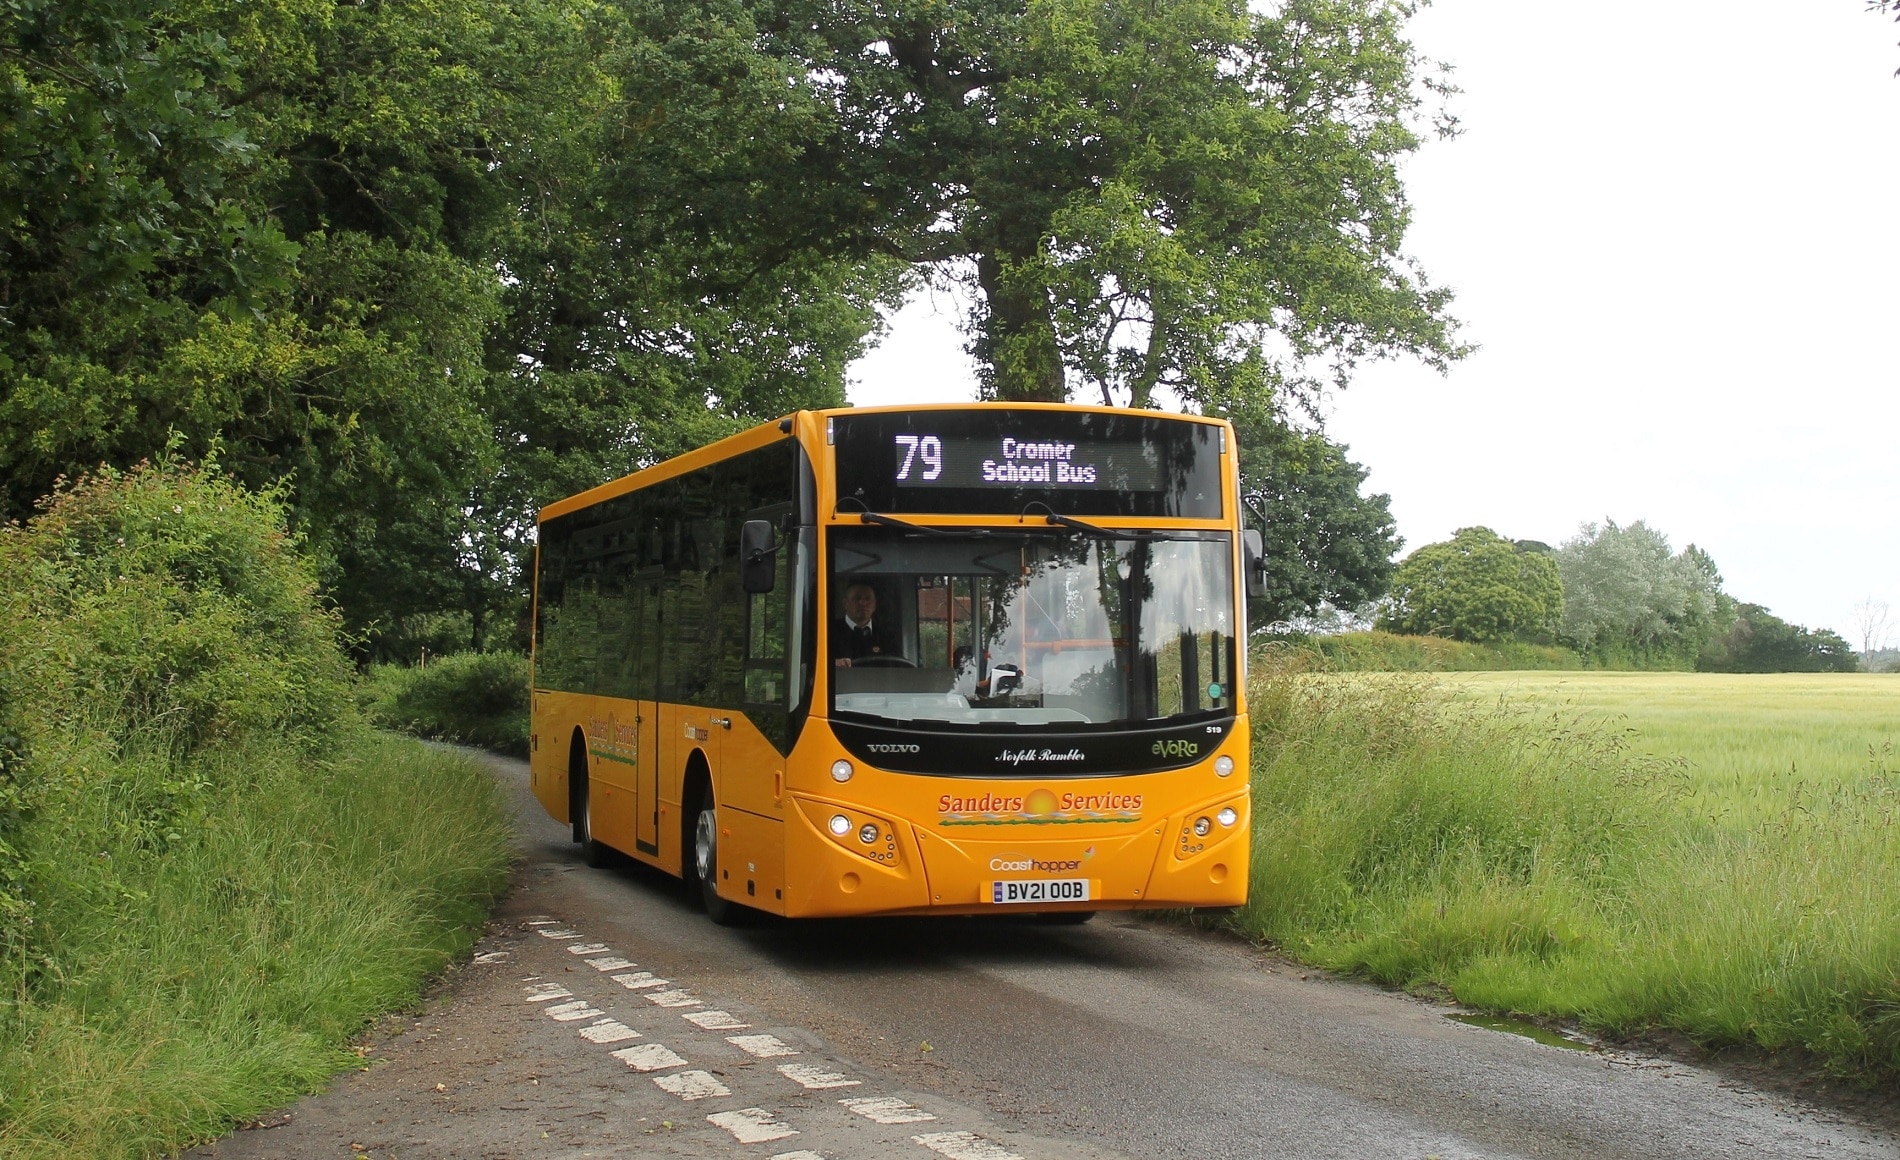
point(1673, 230)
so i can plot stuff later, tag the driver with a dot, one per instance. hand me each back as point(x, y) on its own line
point(858, 633)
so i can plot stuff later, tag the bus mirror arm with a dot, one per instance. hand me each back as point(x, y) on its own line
point(758, 571)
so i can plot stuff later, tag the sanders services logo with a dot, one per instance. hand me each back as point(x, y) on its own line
point(1038, 807)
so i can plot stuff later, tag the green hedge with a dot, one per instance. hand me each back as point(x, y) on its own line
point(474, 698)
point(212, 872)
point(1393, 652)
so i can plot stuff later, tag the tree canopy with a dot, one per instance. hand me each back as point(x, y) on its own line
point(1191, 197)
point(1476, 586)
point(437, 265)
point(1629, 601)
point(1326, 541)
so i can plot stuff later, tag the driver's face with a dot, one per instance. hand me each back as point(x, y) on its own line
point(860, 603)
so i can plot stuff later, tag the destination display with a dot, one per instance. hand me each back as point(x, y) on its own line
point(1001, 459)
point(925, 459)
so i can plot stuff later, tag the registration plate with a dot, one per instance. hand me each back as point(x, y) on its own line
point(1040, 890)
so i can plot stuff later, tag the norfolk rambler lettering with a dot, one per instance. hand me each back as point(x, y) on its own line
point(1018, 756)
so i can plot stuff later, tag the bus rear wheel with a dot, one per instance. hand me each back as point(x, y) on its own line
point(581, 807)
point(706, 867)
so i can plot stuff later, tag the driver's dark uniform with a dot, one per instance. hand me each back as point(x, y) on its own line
point(866, 641)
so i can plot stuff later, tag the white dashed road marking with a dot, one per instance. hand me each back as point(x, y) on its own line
point(815, 1078)
point(692, 1085)
point(887, 1110)
point(752, 1125)
point(747, 1125)
point(674, 999)
point(491, 956)
point(965, 1146)
point(648, 1057)
point(609, 1031)
point(714, 1021)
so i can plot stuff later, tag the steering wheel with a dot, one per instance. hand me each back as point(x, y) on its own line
point(882, 661)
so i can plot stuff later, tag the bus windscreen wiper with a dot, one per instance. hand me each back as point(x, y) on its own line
point(905, 525)
point(1096, 530)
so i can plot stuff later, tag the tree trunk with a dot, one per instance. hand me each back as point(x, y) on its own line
point(1017, 340)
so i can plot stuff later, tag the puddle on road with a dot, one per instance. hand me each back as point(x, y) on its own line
point(1528, 1030)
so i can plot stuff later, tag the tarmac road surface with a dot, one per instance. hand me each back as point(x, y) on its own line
point(603, 1016)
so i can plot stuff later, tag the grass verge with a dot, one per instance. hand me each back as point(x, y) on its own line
point(202, 976)
point(1532, 862)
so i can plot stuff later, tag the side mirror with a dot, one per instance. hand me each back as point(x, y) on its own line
point(758, 571)
point(1253, 556)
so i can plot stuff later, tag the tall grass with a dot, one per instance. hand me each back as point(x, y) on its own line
point(1534, 862)
point(212, 872)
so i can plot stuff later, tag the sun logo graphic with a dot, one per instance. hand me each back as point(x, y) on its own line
point(1041, 801)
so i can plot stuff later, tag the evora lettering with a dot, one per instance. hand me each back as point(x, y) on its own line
point(1176, 747)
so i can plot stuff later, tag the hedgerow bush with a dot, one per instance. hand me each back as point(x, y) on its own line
point(212, 872)
point(474, 698)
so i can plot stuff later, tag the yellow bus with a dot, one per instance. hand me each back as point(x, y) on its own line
point(966, 659)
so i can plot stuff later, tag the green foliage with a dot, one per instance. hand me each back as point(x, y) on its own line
point(374, 250)
point(1535, 864)
point(1758, 641)
point(475, 698)
point(1477, 586)
point(165, 604)
point(1142, 195)
point(210, 871)
point(1326, 543)
point(1629, 602)
point(1386, 652)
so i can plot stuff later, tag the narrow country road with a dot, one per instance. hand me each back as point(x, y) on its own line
point(604, 1017)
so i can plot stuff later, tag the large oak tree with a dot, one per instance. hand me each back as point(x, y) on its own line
point(1148, 195)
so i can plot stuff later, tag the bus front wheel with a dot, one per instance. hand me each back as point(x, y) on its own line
point(706, 867)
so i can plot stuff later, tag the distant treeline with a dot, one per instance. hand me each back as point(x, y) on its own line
point(1617, 597)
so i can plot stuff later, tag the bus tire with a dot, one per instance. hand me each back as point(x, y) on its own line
point(705, 866)
point(580, 806)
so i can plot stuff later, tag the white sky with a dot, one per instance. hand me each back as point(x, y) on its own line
point(1672, 228)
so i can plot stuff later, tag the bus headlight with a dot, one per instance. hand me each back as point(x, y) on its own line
point(1223, 765)
point(1201, 827)
point(1227, 816)
point(868, 833)
point(840, 825)
point(841, 771)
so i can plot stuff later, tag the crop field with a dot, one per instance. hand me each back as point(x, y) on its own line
point(1713, 854)
point(1748, 743)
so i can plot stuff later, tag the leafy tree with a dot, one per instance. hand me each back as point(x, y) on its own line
point(1144, 196)
point(1758, 641)
point(1327, 543)
point(1477, 586)
point(1629, 601)
point(373, 249)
